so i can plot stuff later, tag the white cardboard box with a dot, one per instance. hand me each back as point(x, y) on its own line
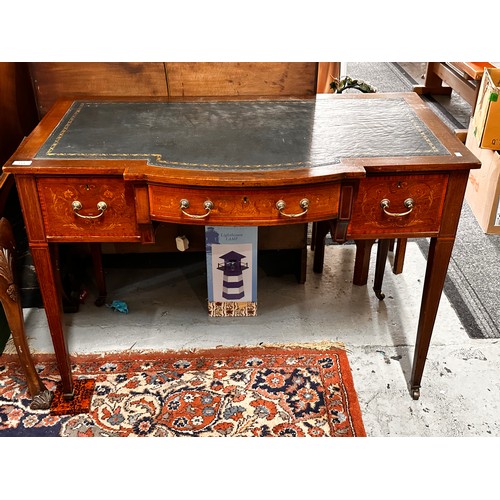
point(486, 119)
point(483, 188)
point(231, 270)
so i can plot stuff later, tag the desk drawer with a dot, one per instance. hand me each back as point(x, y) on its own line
point(250, 206)
point(427, 193)
point(116, 222)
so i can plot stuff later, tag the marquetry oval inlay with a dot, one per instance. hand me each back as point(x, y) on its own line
point(427, 193)
point(58, 194)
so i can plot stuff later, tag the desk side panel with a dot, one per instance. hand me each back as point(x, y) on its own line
point(30, 205)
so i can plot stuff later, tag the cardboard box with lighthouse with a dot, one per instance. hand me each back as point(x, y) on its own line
point(231, 270)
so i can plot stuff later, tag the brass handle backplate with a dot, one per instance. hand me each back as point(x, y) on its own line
point(207, 205)
point(101, 206)
point(304, 205)
point(408, 203)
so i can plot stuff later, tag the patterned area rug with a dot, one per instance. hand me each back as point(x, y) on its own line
point(259, 391)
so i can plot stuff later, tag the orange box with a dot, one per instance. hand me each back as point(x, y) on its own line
point(483, 188)
point(486, 119)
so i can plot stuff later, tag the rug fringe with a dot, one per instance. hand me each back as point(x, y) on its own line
point(320, 346)
point(9, 348)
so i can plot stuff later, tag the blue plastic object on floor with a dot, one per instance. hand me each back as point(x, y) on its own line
point(118, 305)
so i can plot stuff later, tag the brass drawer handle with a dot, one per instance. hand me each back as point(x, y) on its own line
point(304, 205)
point(208, 206)
point(408, 203)
point(101, 206)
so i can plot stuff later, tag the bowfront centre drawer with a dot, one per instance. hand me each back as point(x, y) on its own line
point(389, 205)
point(250, 206)
point(80, 208)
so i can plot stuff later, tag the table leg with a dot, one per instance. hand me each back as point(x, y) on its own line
point(437, 266)
point(44, 258)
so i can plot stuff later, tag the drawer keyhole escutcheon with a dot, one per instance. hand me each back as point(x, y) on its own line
point(304, 205)
point(207, 205)
point(101, 206)
point(408, 203)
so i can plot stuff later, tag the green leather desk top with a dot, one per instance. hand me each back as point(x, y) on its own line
point(241, 135)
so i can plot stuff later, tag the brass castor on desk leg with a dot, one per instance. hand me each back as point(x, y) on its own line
point(415, 393)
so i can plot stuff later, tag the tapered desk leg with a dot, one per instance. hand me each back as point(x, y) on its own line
point(437, 267)
point(48, 278)
point(11, 302)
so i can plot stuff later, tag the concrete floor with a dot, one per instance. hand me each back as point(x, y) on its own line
point(460, 394)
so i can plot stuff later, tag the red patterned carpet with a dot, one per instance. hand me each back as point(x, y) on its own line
point(258, 391)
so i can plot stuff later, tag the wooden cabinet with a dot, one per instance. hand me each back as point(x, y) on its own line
point(18, 114)
point(161, 79)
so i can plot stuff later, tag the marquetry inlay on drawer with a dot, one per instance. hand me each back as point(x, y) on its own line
point(80, 208)
point(395, 204)
point(244, 206)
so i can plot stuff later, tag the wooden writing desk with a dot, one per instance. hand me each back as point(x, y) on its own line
point(370, 165)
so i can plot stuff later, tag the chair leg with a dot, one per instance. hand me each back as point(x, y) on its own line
point(399, 256)
point(362, 261)
point(10, 299)
point(321, 231)
point(96, 253)
point(382, 251)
